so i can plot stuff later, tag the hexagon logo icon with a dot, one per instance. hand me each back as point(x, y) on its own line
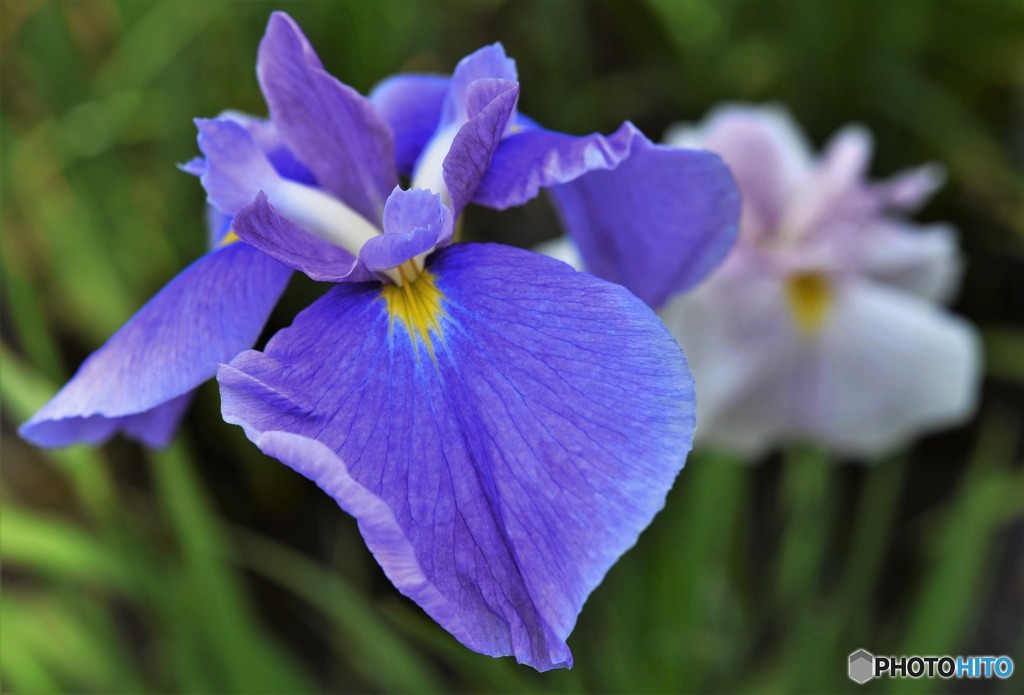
point(862, 666)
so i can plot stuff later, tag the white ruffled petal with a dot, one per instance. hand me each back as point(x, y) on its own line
point(765, 150)
point(892, 366)
point(833, 191)
point(924, 260)
point(743, 352)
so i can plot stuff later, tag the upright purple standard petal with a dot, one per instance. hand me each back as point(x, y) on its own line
point(500, 452)
point(328, 125)
point(411, 105)
point(415, 222)
point(490, 62)
point(138, 382)
point(491, 104)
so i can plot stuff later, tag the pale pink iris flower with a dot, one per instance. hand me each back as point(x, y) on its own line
point(826, 322)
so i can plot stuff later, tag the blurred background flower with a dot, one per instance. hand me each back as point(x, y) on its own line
point(210, 568)
point(823, 324)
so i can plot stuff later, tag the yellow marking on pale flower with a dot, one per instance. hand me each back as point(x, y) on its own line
point(229, 238)
point(810, 298)
point(417, 303)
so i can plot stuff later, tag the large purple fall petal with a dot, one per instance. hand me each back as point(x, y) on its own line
point(411, 105)
point(154, 427)
point(656, 219)
point(498, 463)
point(138, 382)
point(328, 125)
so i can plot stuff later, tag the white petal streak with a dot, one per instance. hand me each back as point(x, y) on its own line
point(429, 171)
point(561, 249)
point(322, 215)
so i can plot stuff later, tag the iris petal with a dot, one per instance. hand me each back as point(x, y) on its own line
point(492, 104)
point(328, 125)
point(235, 169)
point(138, 381)
point(655, 219)
point(891, 364)
point(754, 140)
point(500, 468)
point(415, 222)
point(534, 158)
point(411, 105)
point(922, 259)
point(259, 225)
point(489, 62)
point(658, 222)
point(268, 138)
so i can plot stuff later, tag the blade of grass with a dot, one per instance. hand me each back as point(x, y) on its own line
point(153, 43)
point(807, 498)
point(1004, 354)
point(58, 549)
point(822, 636)
point(116, 657)
point(249, 662)
point(991, 494)
point(25, 312)
point(23, 391)
point(876, 514)
point(119, 557)
point(52, 630)
point(91, 289)
point(21, 668)
point(371, 643)
point(806, 501)
point(689, 557)
point(484, 672)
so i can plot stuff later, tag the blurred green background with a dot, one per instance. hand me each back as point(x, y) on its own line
point(209, 568)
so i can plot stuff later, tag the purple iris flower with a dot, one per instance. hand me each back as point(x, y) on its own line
point(501, 426)
point(140, 382)
point(657, 218)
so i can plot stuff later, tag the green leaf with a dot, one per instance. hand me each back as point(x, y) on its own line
point(369, 642)
point(1004, 354)
point(246, 657)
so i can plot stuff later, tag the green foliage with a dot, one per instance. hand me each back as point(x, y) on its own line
point(208, 568)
